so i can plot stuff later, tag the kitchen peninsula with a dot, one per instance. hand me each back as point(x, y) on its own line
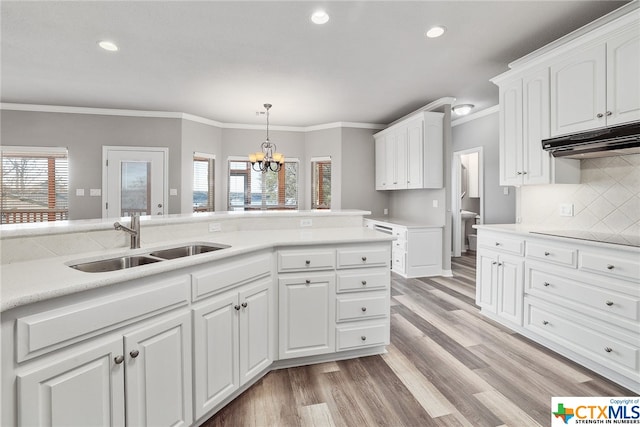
point(172, 341)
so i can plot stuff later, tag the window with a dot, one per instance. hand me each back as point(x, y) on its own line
point(203, 182)
point(321, 183)
point(249, 190)
point(34, 184)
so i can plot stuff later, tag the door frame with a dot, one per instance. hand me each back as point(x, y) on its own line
point(456, 186)
point(105, 152)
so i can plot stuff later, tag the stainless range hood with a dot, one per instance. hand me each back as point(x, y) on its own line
point(612, 141)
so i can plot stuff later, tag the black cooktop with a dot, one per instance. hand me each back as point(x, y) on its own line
point(614, 238)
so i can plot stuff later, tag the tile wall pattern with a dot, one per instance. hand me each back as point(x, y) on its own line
point(607, 199)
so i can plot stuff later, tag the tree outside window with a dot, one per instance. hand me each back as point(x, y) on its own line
point(321, 183)
point(251, 190)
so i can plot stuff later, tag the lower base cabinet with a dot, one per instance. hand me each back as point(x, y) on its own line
point(233, 342)
point(141, 378)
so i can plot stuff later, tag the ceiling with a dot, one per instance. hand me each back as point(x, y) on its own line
point(222, 60)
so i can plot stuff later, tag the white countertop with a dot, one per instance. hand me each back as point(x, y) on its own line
point(404, 222)
point(32, 281)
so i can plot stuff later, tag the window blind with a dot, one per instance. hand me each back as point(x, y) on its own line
point(203, 184)
point(34, 184)
point(251, 190)
point(321, 191)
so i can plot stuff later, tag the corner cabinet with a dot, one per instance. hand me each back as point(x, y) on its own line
point(409, 154)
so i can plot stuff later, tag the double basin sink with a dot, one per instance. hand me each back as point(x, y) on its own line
point(129, 261)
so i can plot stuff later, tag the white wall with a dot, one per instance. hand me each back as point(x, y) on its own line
point(201, 138)
point(323, 143)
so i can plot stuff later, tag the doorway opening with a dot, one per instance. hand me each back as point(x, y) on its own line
point(467, 198)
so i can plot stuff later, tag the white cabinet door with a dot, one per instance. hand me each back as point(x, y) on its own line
point(391, 166)
point(401, 158)
point(307, 315)
point(623, 77)
point(510, 288)
point(578, 92)
point(381, 163)
point(433, 151)
point(415, 153)
point(535, 99)
point(487, 280)
point(158, 383)
point(75, 390)
point(256, 329)
point(511, 156)
point(216, 351)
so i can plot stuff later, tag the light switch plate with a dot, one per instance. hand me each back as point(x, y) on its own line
point(566, 209)
point(80, 192)
point(173, 191)
point(95, 192)
point(435, 203)
point(308, 222)
point(505, 191)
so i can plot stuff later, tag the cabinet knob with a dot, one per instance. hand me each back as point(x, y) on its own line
point(237, 307)
point(518, 173)
point(364, 259)
point(545, 322)
point(547, 253)
point(545, 284)
point(498, 243)
point(494, 262)
point(395, 182)
point(610, 267)
point(609, 303)
point(364, 283)
point(609, 113)
point(244, 304)
point(499, 264)
point(364, 309)
point(524, 172)
point(363, 338)
point(307, 262)
point(134, 353)
point(118, 359)
point(608, 349)
point(599, 115)
point(307, 281)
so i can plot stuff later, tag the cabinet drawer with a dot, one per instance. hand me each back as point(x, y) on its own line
point(502, 244)
point(228, 273)
point(363, 279)
point(362, 306)
point(363, 335)
point(580, 338)
point(622, 268)
point(306, 259)
point(363, 256)
point(550, 253)
point(47, 331)
point(552, 286)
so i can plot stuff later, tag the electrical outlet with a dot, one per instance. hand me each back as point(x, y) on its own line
point(435, 203)
point(386, 211)
point(80, 192)
point(308, 222)
point(565, 209)
point(95, 192)
point(214, 226)
point(505, 191)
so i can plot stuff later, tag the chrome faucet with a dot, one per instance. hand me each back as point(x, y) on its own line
point(133, 230)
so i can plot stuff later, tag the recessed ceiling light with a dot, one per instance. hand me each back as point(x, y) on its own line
point(320, 17)
point(462, 109)
point(107, 45)
point(435, 32)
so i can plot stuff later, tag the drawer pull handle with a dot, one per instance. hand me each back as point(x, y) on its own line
point(364, 283)
point(364, 258)
point(134, 353)
point(608, 349)
point(547, 254)
point(499, 264)
point(494, 262)
point(546, 284)
point(599, 115)
point(364, 309)
point(118, 359)
point(244, 304)
point(610, 267)
point(545, 322)
point(363, 338)
point(609, 303)
point(307, 281)
point(307, 262)
point(237, 307)
point(498, 243)
point(518, 173)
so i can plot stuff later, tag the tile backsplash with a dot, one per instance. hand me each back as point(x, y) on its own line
point(606, 200)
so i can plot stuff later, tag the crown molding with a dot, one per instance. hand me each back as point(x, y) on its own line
point(177, 115)
point(477, 115)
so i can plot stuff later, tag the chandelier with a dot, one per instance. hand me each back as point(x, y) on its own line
point(267, 159)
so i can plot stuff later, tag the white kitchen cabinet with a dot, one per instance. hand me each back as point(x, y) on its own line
point(597, 86)
point(307, 314)
point(511, 151)
point(413, 153)
point(145, 374)
point(233, 342)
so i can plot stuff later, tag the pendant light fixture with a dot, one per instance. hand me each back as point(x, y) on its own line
point(267, 159)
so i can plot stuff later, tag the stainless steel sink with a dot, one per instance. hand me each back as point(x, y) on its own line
point(187, 250)
point(113, 264)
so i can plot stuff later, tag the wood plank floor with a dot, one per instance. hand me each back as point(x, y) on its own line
point(446, 366)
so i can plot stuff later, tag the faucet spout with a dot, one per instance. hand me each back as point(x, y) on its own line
point(133, 230)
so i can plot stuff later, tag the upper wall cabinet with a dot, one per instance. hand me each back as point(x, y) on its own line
point(597, 86)
point(409, 153)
